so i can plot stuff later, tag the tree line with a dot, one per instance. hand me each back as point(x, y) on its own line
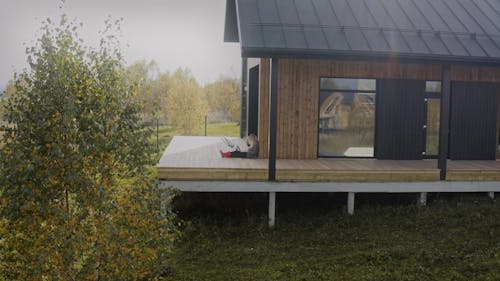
point(178, 99)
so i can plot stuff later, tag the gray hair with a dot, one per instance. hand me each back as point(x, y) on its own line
point(252, 139)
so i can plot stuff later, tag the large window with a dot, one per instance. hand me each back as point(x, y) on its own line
point(346, 117)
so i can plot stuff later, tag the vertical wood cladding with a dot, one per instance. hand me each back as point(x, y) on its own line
point(400, 119)
point(476, 74)
point(264, 108)
point(474, 125)
point(298, 90)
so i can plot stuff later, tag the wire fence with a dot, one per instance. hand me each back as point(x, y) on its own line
point(157, 127)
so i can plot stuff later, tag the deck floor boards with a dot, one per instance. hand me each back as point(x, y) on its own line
point(473, 170)
point(198, 158)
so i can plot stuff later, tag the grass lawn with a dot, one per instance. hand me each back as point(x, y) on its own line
point(456, 237)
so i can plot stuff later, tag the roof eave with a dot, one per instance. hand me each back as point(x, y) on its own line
point(250, 52)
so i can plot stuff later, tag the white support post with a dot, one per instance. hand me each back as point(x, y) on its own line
point(422, 201)
point(350, 203)
point(272, 209)
point(491, 195)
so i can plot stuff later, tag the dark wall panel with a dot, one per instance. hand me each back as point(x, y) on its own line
point(473, 125)
point(400, 117)
point(253, 100)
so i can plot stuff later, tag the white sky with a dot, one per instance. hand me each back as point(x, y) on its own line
point(175, 33)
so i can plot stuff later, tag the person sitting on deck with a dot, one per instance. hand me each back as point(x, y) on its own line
point(253, 149)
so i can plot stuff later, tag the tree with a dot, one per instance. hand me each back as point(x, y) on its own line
point(9, 92)
point(223, 98)
point(153, 88)
point(160, 89)
point(78, 201)
point(10, 89)
point(185, 104)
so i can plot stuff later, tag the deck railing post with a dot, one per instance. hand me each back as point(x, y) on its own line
point(272, 209)
point(273, 116)
point(444, 125)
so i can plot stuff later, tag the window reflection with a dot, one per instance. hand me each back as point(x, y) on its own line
point(433, 86)
point(432, 133)
point(347, 117)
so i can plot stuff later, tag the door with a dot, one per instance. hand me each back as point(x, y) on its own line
point(433, 118)
point(253, 100)
point(473, 122)
point(400, 119)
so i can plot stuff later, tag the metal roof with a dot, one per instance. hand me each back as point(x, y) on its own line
point(448, 30)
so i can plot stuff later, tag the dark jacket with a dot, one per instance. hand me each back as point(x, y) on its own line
point(253, 151)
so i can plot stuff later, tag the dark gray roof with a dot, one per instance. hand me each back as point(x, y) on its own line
point(448, 30)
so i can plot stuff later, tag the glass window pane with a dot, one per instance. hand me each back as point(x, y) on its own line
point(433, 86)
point(346, 124)
point(433, 113)
point(348, 84)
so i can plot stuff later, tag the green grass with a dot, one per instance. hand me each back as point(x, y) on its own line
point(456, 237)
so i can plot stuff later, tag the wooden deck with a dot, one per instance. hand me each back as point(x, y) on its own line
point(194, 164)
point(473, 170)
point(198, 158)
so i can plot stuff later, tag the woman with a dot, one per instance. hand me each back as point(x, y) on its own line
point(253, 149)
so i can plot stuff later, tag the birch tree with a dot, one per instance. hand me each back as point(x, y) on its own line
point(78, 201)
point(186, 106)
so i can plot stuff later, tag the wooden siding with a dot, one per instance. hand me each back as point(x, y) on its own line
point(298, 97)
point(298, 90)
point(264, 108)
point(475, 74)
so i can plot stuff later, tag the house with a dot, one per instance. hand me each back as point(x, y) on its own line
point(360, 96)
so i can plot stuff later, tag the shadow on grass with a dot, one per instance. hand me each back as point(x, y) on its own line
point(225, 237)
point(227, 205)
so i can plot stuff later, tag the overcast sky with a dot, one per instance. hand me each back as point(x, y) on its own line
point(175, 33)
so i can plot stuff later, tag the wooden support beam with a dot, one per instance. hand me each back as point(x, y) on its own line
point(244, 97)
point(273, 118)
point(272, 209)
point(444, 125)
point(422, 200)
point(491, 195)
point(350, 203)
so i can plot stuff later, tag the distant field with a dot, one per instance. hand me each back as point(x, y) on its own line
point(455, 238)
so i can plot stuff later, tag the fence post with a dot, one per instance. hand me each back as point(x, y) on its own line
point(205, 125)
